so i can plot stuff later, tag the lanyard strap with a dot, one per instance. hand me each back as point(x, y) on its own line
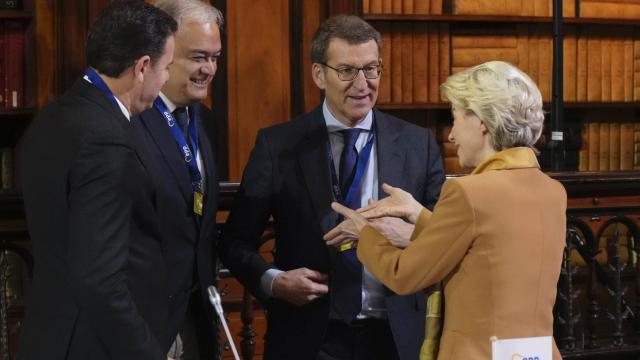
point(363, 159)
point(97, 81)
point(189, 156)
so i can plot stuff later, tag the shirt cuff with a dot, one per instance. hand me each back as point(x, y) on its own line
point(266, 281)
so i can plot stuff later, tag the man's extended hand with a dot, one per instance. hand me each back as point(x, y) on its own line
point(300, 286)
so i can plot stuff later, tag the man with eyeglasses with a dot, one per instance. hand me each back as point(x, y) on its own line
point(321, 303)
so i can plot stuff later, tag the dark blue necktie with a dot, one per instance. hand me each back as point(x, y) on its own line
point(347, 276)
point(182, 118)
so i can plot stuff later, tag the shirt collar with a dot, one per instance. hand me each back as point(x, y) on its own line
point(170, 105)
point(334, 125)
point(513, 158)
point(123, 108)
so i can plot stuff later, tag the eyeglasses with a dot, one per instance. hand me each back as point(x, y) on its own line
point(348, 73)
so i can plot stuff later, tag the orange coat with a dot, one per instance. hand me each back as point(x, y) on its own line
point(496, 238)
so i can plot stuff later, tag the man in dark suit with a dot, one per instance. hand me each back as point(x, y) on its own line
point(187, 200)
point(321, 304)
point(99, 290)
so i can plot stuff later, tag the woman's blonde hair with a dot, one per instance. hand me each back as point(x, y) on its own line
point(503, 97)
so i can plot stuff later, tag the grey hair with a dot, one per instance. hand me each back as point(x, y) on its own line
point(191, 10)
point(505, 98)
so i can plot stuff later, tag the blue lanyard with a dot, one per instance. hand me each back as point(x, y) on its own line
point(363, 159)
point(189, 156)
point(97, 81)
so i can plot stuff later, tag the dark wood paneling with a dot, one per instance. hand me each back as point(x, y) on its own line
point(259, 69)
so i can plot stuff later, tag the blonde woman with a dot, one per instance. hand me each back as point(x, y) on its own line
point(496, 237)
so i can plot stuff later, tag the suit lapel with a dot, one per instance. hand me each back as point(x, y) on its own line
point(157, 127)
point(390, 153)
point(314, 162)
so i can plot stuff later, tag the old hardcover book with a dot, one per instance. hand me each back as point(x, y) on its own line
point(609, 10)
point(471, 57)
point(407, 7)
point(603, 164)
point(568, 8)
point(396, 62)
point(594, 146)
point(387, 6)
point(569, 64)
point(534, 55)
point(626, 146)
point(605, 65)
point(420, 63)
point(445, 51)
point(614, 146)
point(396, 6)
point(366, 7)
point(384, 94)
point(594, 69)
point(522, 47)
point(628, 65)
point(581, 67)
point(421, 7)
point(434, 64)
point(407, 63)
point(545, 61)
point(435, 7)
point(617, 68)
point(528, 8)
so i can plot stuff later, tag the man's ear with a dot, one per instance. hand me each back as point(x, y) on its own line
point(318, 74)
point(141, 66)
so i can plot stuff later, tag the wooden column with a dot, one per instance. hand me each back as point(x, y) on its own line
point(258, 70)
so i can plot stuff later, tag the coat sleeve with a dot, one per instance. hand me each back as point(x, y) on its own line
point(440, 241)
point(252, 206)
point(98, 246)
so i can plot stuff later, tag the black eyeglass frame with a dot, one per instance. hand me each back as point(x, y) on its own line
point(341, 74)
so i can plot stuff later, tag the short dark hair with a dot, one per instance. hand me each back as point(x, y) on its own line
point(125, 31)
point(350, 28)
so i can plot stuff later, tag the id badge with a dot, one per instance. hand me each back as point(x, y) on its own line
point(198, 202)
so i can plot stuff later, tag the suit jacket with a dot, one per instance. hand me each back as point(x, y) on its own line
point(189, 243)
point(288, 177)
point(99, 288)
point(496, 238)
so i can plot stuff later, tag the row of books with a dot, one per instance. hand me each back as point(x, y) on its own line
point(600, 65)
point(529, 47)
point(610, 146)
point(12, 59)
point(6, 169)
point(610, 9)
point(407, 7)
point(416, 62)
point(466, 7)
point(511, 7)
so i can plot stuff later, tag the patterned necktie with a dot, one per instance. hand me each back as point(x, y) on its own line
point(347, 276)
